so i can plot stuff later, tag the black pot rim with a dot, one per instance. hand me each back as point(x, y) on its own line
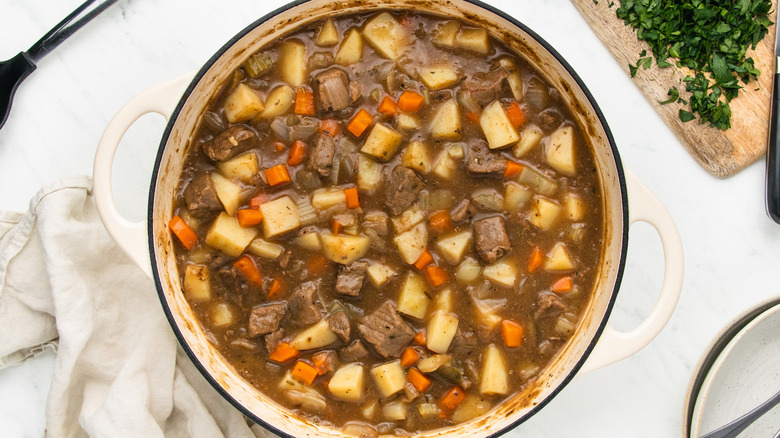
point(270, 16)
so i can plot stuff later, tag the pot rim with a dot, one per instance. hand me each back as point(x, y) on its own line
point(621, 179)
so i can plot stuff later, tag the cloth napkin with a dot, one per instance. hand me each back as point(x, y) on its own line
point(119, 370)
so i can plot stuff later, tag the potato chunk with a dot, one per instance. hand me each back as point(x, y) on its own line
point(243, 104)
point(474, 39)
point(351, 49)
point(530, 137)
point(446, 122)
point(292, 62)
point(386, 35)
point(558, 259)
point(454, 246)
point(414, 297)
point(389, 378)
point(228, 236)
point(440, 331)
point(328, 35)
point(412, 243)
point(197, 283)
point(437, 77)
point(243, 167)
point(316, 336)
point(544, 213)
point(344, 249)
point(502, 272)
point(369, 174)
point(417, 156)
point(347, 383)
point(382, 142)
point(380, 274)
point(278, 102)
point(496, 126)
point(228, 192)
point(559, 152)
point(279, 216)
point(221, 315)
point(494, 378)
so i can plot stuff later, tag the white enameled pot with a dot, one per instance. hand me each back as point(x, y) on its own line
point(594, 344)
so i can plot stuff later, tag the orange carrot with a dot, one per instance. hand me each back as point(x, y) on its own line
point(513, 168)
point(277, 286)
point(279, 146)
point(249, 217)
point(419, 338)
point(452, 398)
point(323, 361)
point(358, 125)
point(410, 101)
point(353, 200)
point(304, 372)
point(297, 153)
point(335, 227)
point(277, 175)
point(387, 107)
point(563, 284)
point(257, 201)
point(247, 267)
point(474, 117)
point(441, 222)
point(304, 102)
point(536, 259)
point(409, 357)
point(512, 333)
point(284, 352)
point(317, 264)
point(330, 127)
point(418, 379)
point(436, 276)
point(515, 113)
point(425, 259)
point(183, 232)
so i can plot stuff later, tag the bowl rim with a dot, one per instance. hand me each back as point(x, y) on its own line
point(621, 180)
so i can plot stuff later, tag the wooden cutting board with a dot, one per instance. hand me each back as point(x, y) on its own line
point(721, 153)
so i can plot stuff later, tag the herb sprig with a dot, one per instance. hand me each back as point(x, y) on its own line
point(710, 37)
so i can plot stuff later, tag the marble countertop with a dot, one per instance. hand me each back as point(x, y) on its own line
point(731, 247)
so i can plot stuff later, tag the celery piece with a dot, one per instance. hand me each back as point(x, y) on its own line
point(258, 64)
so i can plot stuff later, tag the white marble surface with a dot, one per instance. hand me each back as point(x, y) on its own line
point(731, 247)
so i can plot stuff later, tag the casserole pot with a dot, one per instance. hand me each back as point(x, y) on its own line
point(184, 99)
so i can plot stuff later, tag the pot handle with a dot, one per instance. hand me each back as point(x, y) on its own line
point(613, 345)
point(131, 236)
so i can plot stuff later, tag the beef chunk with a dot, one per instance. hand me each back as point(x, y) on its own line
point(465, 343)
point(230, 143)
point(549, 119)
point(548, 305)
point(486, 87)
point(233, 287)
point(403, 187)
point(266, 319)
point(350, 279)
point(201, 198)
point(340, 325)
point(303, 304)
point(491, 240)
point(354, 351)
point(463, 211)
point(321, 156)
point(386, 331)
point(272, 339)
point(481, 161)
point(332, 88)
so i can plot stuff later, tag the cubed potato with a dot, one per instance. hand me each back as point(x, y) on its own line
point(289, 382)
point(395, 411)
point(437, 77)
point(444, 167)
point(474, 39)
point(575, 206)
point(502, 273)
point(380, 274)
point(443, 301)
point(544, 213)
point(347, 383)
point(412, 243)
point(328, 35)
point(386, 35)
point(417, 156)
point(537, 181)
point(197, 283)
point(414, 297)
point(266, 250)
point(530, 137)
point(471, 407)
point(406, 122)
point(446, 33)
point(228, 236)
point(496, 126)
point(433, 362)
point(292, 62)
point(221, 315)
point(559, 152)
point(408, 219)
point(242, 167)
point(325, 198)
point(228, 192)
point(278, 102)
point(558, 259)
point(455, 151)
point(369, 409)
point(310, 241)
point(344, 249)
point(369, 175)
point(389, 378)
point(468, 270)
point(316, 336)
point(382, 142)
point(494, 379)
point(351, 49)
point(280, 216)
point(515, 82)
point(440, 331)
point(454, 246)
point(446, 121)
point(515, 196)
point(243, 104)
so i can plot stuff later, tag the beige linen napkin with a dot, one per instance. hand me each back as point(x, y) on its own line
point(119, 371)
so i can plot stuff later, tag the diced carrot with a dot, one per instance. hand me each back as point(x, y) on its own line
point(358, 125)
point(304, 372)
point(353, 200)
point(283, 352)
point(257, 200)
point(279, 146)
point(419, 338)
point(409, 357)
point(513, 168)
point(410, 101)
point(277, 286)
point(183, 232)
point(441, 221)
point(418, 379)
point(512, 333)
point(323, 361)
point(335, 227)
point(436, 276)
point(425, 259)
point(452, 398)
point(318, 263)
point(330, 127)
point(563, 284)
point(247, 267)
point(304, 102)
point(515, 114)
point(471, 115)
point(387, 107)
point(249, 217)
point(277, 175)
point(536, 259)
point(297, 153)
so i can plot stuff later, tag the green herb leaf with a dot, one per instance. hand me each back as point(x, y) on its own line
point(686, 116)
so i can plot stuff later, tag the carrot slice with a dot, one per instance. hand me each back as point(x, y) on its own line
point(387, 107)
point(277, 175)
point(279, 146)
point(249, 217)
point(304, 372)
point(353, 200)
point(425, 259)
point(436, 276)
point(512, 333)
point(563, 284)
point(297, 153)
point(358, 125)
point(419, 338)
point(330, 127)
point(277, 286)
point(183, 232)
point(304, 102)
point(418, 379)
point(536, 259)
point(515, 113)
point(283, 352)
point(513, 168)
point(441, 221)
point(247, 267)
point(335, 227)
point(452, 398)
point(409, 357)
point(410, 101)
